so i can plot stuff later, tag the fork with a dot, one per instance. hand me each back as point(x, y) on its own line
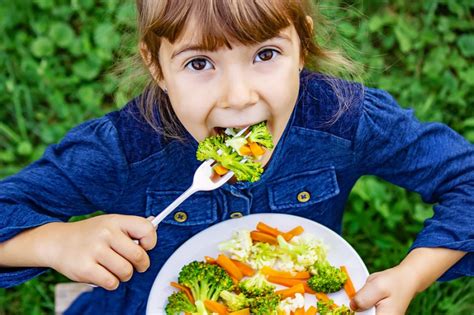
point(202, 181)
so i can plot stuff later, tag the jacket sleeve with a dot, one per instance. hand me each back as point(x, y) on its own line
point(428, 158)
point(84, 173)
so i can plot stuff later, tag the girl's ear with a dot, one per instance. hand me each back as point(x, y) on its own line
point(154, 70)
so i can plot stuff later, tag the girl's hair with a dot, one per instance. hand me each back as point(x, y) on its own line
point(221, 22)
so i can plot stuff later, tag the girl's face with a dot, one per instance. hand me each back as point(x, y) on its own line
point(233, 87)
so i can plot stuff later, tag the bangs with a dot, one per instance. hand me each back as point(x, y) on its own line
point(215, 23)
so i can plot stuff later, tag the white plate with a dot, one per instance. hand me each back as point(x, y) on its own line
point(206, 243)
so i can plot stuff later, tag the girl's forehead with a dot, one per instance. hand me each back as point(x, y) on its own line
point(193, 36)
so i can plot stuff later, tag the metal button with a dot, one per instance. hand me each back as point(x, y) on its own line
point(304, 196)
point(236, 215)
point(180, 216)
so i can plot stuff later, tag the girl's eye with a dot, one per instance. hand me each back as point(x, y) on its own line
point(266, 55)
point(199, 64)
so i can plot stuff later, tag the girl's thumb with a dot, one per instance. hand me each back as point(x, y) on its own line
point(368, 296)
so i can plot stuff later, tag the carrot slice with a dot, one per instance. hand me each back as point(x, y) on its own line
point(263, 237)
point(217, 307)
point(262, 227)
point(304, 275)
point(311, 311)
point(245, 150)
point(245, 311)
point(229, 266)
point(244, 268)
point(221, 170)
point(290, 292)
point(256, 149)
point(186, 290)
point(299, 311)
point(210, 260)
point(348, 285)
point(322, 296)
point(293, 232)
point(287, 282)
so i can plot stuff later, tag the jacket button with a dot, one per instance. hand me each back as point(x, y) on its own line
point(236, 215)
point(304, 196)
point(180, 216)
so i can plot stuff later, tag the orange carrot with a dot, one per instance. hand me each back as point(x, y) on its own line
point(229, 266)
point(322, 296)
point(311, 311)
point(256, 149)
point(263, 237)
point(307, 289)
point(348, 285)
point(299, 311)
point(262, 227)
point(210, 260)
point(290, 292)
point(221, 170)
point(287, 282)
point(244, 268)
point(245, 311)
point(304, 275)
point(292, 233)
point(186, 290)
point(217, 307)
point(245, 150)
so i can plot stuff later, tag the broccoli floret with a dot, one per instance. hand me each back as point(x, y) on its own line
point(207, 149)
point(205, 281)
point(260, 134)
point(256, 286)
point(234, 302)
point(247, 171)
point(178, 302)
point(327, 308)
point(201, 309)
point(265, 305)
point(326, 278)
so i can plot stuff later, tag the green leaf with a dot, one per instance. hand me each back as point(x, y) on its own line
point(87, 69)
point(62, 34)
point(106, 36)
point(42, 47)
point(466, 44)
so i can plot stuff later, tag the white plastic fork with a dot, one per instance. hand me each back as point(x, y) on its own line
point(202, 181)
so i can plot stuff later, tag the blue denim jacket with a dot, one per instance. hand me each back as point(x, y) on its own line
point(118, 164)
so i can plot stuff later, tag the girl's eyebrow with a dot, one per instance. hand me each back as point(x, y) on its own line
point(198, 47)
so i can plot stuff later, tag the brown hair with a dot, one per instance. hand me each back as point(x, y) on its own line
point(220, 22)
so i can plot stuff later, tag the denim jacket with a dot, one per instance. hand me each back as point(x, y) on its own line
point(118, 164)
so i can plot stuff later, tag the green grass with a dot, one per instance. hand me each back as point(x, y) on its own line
point(55, 57)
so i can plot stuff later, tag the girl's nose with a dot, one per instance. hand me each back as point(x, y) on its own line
point(238, 92)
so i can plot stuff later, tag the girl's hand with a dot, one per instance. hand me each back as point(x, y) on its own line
point(390, 291)
point(99, 250)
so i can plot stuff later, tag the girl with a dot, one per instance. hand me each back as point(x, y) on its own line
point(230, 64)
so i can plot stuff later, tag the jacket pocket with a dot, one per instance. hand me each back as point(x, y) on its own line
point(303, 189)
point(198, 209)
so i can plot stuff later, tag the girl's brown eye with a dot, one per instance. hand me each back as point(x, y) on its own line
point(198, 64)
point(266, 55)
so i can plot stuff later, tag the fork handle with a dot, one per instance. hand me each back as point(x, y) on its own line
point(191, 190)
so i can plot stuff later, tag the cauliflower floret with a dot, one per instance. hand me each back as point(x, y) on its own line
point(239, 246)
point(262, 254)
point(303, 251)
point(289, 304)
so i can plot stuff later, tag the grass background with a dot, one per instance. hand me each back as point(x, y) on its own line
point(55, 57)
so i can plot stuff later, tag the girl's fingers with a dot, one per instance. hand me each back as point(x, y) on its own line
point(116, 264)
point(130, 251)
point(140, 229)
point(104, 278)
point(369, 295)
